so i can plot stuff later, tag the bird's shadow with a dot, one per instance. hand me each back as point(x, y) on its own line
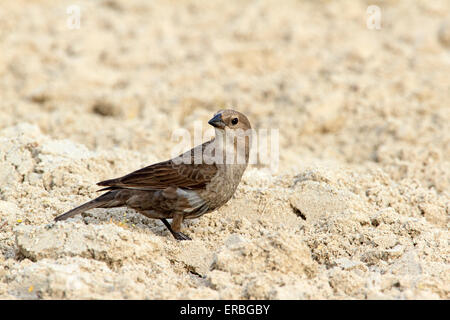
point(125, 218)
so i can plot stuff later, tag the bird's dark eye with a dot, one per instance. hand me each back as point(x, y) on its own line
point(234, 121)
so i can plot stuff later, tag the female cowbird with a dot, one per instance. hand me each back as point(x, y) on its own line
point(194, 183)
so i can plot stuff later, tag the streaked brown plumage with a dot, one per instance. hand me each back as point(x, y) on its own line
point(178, 190)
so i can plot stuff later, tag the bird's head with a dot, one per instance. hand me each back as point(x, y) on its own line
point(233, 135)
point(230, 120)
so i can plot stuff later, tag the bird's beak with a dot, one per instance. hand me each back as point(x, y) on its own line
point(217, 121)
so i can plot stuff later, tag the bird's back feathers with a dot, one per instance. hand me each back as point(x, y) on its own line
point(165, 174)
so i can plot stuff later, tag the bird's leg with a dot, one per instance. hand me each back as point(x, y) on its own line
point(175, 227)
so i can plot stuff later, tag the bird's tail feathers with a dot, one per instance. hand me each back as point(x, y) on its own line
point(103, 201)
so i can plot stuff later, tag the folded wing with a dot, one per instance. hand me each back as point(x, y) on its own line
point(165, 174)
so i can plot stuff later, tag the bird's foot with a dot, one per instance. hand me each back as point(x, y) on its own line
point(180, 236)
point(176, 234)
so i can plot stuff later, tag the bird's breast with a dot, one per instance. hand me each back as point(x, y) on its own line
point(222, 187)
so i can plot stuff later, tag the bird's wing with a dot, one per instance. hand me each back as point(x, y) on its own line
point(165, 174)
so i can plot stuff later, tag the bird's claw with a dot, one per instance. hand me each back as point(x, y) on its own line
point(180, 236)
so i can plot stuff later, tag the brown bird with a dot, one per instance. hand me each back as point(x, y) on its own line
point(186, 187)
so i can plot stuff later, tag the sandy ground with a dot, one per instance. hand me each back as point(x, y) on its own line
point(358, 208)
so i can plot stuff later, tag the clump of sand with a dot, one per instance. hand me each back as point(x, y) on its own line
point(358, 208)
